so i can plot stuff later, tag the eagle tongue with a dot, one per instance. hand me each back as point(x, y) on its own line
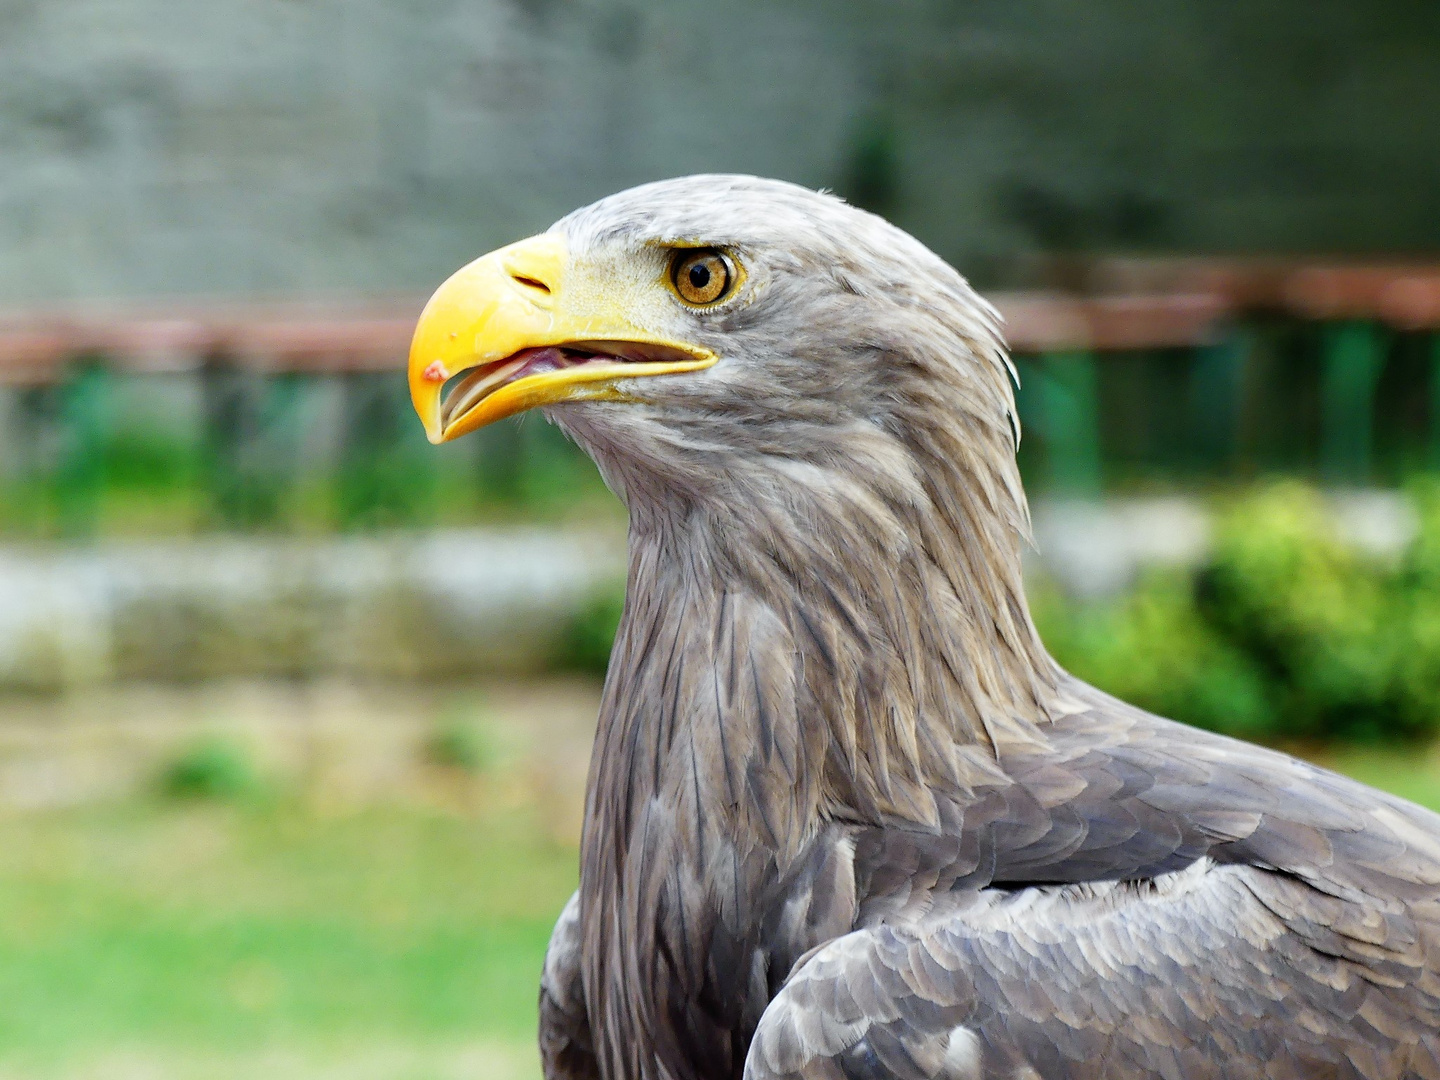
point(539, 361)
point(483, 381)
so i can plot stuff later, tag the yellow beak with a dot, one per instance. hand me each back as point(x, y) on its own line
point(491, 317)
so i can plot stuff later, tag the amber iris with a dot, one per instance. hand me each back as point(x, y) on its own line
point(702, 276)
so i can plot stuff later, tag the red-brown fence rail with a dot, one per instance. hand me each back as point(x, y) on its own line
point(1126, 304)
point(1201, 312)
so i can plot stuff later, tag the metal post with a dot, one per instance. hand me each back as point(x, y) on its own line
point(387, 477)
point(12, 455)
point(1354, 356)
point(281, 435)
point(499, 460)
point(1068, 414)
point(253, 436)
point(84, 416)
point(1435, 401)
point(1217, 397)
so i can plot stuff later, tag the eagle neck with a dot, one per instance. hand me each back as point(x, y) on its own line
point(825, 652)
point(801, 650)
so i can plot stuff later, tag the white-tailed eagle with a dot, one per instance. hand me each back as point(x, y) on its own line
point(846, 818)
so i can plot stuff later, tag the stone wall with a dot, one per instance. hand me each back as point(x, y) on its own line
point(270, 146)
point(434, 605)
point(460, 603)
point(257, 147)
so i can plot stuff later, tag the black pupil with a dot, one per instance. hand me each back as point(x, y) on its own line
point(699, 275)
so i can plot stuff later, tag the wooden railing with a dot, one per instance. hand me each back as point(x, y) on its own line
point(37, 347)
point(1112, 304)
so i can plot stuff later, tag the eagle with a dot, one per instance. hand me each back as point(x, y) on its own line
point(845, 817)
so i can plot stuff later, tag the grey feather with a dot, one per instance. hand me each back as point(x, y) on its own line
point(845, 817)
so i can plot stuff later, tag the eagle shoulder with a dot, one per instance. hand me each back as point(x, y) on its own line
point(1135, 899)
point(1212, 971)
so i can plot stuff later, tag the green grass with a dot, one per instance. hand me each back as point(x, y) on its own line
point(220, 934)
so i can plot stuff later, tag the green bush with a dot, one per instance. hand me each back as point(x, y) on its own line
point(1318, 615)
point(586, 641)
point(461, 745)
point(1154, 649)
point(1287, 632)
point(212, 768)
point(1417, 610)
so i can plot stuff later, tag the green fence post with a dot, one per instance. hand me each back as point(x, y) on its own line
point(229, 434)
point(1067, 404)
point(1353, 358)
point(499, 461)
point(388, 473)
point(1217, 397)
point(84, 417)
point(1435, 401)
point(252, 439)
point(282, 423)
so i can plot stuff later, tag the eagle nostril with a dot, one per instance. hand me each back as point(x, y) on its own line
point(533, 283)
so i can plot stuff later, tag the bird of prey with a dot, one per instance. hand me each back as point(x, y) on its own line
point(845, 816)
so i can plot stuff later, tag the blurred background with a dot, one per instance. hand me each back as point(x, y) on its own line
point(295, 710)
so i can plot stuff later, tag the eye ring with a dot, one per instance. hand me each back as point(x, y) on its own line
point(702, 277)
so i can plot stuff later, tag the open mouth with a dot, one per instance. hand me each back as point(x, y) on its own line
point(466, 390)
point(578, 362)
point(506, 334)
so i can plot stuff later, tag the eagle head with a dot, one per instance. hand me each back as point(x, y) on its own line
point(720, 337)
point(811, 418)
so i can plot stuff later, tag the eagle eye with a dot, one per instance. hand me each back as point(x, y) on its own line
point(702, 276)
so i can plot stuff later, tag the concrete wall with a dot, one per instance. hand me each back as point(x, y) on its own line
point(409, 606)
point(264, 146)
point(282, 146)
point(458, 603)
